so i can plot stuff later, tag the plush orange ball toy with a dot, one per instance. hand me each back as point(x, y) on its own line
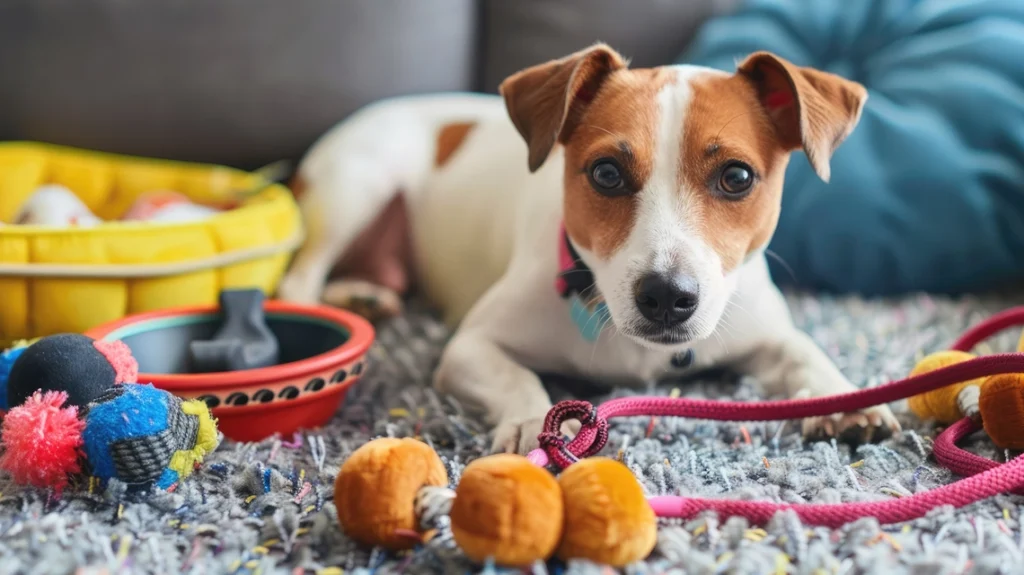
point(376, 489)
point(607, 517)
point(1002, 409)
point(505, 508)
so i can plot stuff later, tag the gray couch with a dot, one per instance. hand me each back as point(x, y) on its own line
point(247, 82)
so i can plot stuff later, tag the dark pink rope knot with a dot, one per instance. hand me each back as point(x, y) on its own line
point(592, 426)
point(554, 446)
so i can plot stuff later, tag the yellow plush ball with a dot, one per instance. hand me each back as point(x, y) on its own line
point(607, 517)
point(508, 509)
point(376, 489)
point(1002, 409)
point(940, 404)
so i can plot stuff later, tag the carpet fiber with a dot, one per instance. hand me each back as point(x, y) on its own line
point(266, 507)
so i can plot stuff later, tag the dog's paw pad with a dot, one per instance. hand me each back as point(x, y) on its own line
point(371, 301)
point(859, 425)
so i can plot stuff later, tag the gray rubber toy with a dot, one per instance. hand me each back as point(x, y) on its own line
point(243, 341)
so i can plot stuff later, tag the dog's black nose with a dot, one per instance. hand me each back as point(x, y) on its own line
point(665, 299)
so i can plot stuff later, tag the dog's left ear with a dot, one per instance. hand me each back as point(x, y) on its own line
point(811, 109)
point(545, 101)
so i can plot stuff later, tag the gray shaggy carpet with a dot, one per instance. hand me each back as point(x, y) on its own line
point(266, 507)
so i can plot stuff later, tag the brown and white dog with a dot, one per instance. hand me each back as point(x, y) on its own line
point(663, 184)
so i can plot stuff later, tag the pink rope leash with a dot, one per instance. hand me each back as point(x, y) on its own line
point(987, 478)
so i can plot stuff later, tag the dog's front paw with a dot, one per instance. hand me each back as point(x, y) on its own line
point(520, 435)
point(861, 425)
point(517, 435)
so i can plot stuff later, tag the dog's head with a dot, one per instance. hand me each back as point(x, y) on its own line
point(673, 175)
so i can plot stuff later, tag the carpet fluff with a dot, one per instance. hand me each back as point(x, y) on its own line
point(266, 507)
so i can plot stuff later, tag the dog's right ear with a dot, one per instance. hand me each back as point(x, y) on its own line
point(545, 101)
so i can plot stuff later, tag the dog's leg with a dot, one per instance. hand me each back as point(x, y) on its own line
point(365, 239)
point(482, 376)
point(792, 364)
point(786, 361)
point(308, 271)
point(376, 269)
point(354, 186)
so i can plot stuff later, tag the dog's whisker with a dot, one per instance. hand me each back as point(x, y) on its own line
point(599, 317)
point(730, 332)
point(612, 134)
point(605, 322)
point(729, 121)
point(785, 265)
point(734, 304)
point(720, 340)
point(596, 298)
point(593, 348)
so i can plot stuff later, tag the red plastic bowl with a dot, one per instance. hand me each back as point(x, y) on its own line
point(323, 353)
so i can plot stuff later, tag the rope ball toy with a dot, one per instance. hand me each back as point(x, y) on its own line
point(504, 508)
point(513, 510)
point(73, 406)
point(997, 402)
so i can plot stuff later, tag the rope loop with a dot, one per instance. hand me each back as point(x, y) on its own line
point(592, 426)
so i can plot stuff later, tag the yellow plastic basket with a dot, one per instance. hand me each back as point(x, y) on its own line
point(56, 280)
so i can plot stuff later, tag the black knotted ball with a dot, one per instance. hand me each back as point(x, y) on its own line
point(66, 362)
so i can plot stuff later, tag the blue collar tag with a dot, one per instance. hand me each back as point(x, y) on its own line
point(589, 320)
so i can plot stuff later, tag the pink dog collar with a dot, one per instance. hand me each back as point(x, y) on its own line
point(574, 277)
point(575, 283)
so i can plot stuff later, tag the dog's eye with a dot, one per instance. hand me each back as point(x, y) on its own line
point(736, 180)
point(606, 177)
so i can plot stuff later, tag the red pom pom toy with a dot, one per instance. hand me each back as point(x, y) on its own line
point(43, 440)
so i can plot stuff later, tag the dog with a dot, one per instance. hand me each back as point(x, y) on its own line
point(594, 220)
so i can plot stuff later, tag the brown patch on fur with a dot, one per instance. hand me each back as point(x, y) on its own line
point(449, 139)
point(621, 123)
point(726, 122)
point(382, 252)
point(297, 186)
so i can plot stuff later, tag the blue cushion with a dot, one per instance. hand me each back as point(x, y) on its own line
point(928, 191)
